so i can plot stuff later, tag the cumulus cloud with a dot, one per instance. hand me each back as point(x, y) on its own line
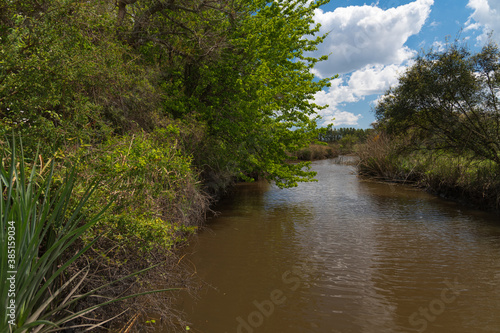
point(486, 16)
point(343, 118)
point(370, 80)
point(368, 35)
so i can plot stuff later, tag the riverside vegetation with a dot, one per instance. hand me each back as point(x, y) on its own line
point(439, 127)
point(334, 142)
point(156, 106)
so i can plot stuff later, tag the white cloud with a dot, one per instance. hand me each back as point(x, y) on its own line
point(367, 81)
point(368, 35)
point(342, 118)
point(487, 16)
point(439, 46)
point(375, 79)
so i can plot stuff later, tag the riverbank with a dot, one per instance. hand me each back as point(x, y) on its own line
point(113, 216)
point(470, 181)
point(156, 196)
point(443, 135)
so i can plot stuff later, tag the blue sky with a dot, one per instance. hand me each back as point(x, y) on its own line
point(371, 43)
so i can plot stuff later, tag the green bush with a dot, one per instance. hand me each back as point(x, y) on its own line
point(159, 198)
point(40, 233)
point(65, 76)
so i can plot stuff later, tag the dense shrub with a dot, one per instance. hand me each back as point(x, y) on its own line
point(158, 195)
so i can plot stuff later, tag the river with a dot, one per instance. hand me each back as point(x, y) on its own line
point(344, 255)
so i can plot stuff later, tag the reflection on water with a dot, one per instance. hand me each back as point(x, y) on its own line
point(345, 255)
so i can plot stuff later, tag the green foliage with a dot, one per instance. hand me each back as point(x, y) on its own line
point(252, 88)
point(41, 228)
point(158, 201)
point(64, 75)
point(82, 70)
point(270, 109)
point(145, 232)
point(444, 123)
point(44, 230)
point(162, 99)
point(448, 100)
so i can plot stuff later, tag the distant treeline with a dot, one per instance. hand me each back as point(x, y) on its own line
point(336, 134)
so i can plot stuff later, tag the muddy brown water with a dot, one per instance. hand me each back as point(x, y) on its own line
point(344, 255)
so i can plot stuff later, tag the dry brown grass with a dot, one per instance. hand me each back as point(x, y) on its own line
point(462, 178)
point(316, 152)
point(376, 158)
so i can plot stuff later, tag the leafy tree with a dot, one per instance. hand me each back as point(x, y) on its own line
point(239, 67)
point(86, 70)
point(260, 106)
point(63, 74)
point(450, 100)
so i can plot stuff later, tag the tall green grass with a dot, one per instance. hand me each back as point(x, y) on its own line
point(39, 240)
